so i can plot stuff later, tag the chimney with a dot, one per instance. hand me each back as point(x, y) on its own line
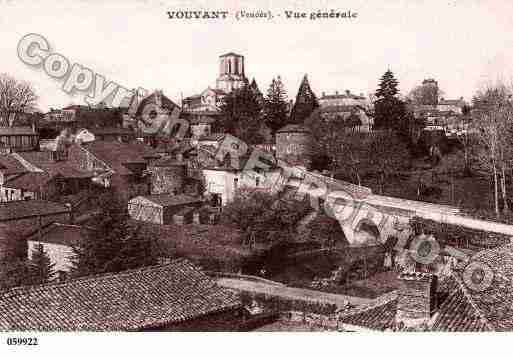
point(196, 218)
point(158, 98)
point(416, 299)
point(348, 92)
point(336, 92)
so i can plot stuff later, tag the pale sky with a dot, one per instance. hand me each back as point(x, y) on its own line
point(132, 42)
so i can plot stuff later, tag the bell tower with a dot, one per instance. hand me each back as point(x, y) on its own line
point(231, 72)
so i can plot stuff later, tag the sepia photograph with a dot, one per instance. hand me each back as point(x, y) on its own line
point(255, 167)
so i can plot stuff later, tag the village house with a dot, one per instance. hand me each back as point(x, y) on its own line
point(454, 106)
point(168, 297)
point(119, 166)
point(119, 134)
point(57, 240)
point(40, 175)
point(23, 138)
point(25, 217)
point(164, 208)
point(343, 99)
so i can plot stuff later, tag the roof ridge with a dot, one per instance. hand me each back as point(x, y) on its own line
point(23, 289)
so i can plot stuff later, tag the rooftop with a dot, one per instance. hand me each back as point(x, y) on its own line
point(145, 298)
point(293, 128)
point(21, 130)
point(31, 208)
point(59, 233)
point(167, 200)
point(231, 54)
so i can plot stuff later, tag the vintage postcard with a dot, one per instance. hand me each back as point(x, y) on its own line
point(255, 166)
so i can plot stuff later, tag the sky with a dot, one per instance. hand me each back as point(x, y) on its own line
point(462, 44)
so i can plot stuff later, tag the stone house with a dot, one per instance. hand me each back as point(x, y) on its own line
point(162, 208)
point(23, 138)
point(28, 216)
point(57, 240)
point(167, 176)
point(119, 166)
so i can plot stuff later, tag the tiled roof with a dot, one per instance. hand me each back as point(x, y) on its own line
point(458, 102)
point(213, 137)
point(167, 200)
point(374, 317)
point(31, 181)
point(150, 297)
point(457, 312)
point(230, 54)
point(166, 103)
point(10, 165)
point(44, 161)
point(111, 131)
point(293, 128)
point(59, 233)
point(22, 130)
point(24, 209)
point(116, 154)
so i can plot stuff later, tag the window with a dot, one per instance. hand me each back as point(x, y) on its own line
point(257, 181)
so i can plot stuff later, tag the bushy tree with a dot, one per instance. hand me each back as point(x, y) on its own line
point(40, 266)
point(306, 103)
point(275, 110)
point(389, 110)
point(242, 113)
point(264, 217)
point(113, 244)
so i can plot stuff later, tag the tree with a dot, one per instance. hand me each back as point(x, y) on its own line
point(306, 103)
point(16, 97)
point(494, 125)
point(242, 113)
point(275, 110)
point(263, 217)
point(387, 154)
point(113, 244)
point(41, 267)
point(388, 108)
point(425, 94)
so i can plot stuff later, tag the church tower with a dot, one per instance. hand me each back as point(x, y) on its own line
point(231, 72)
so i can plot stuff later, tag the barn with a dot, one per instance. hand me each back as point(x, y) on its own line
point(161, 208)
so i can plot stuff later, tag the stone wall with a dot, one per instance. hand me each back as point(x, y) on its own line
point(168, 179)
point(294, 148)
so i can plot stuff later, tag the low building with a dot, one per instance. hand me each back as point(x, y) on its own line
point(170, 297)
point(343, 99)
point(57, 240)
point(160, 209)
point(119, 166)
point(119, 134)
point(454, 106)
point(23, 138)
point(28, 216)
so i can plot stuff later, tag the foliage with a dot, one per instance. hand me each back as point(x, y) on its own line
point(16, 97)
point(425, 94)
point(449, 234)
point(389, 110)
point(40, 266)
point(241, 111)
point(14, 274)
point(275, 109)
point(306, 103)
point(263, 217)
point(494, 128)
point(114, 244)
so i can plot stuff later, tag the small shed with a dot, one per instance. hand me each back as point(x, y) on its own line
point(161, 208)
